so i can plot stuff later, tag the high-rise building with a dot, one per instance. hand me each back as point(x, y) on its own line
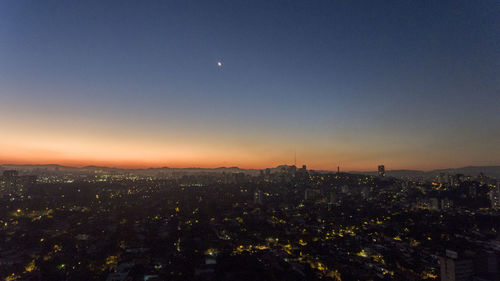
point(487, 266)
point(446, 204)
point(257, 197)
point(11, 178)
point(312, 194)
point(494, 195)
point(334, 200)
point(482, 178)
point(444, 178)
point(455, 268)
point(364, 192)
point(479, 265)
point(381, 171)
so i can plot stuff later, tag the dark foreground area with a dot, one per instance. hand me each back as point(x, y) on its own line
point(288, 224)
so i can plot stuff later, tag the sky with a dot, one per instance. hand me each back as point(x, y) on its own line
point(355, 84)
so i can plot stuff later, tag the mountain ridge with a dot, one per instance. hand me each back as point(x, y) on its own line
point(490, 171)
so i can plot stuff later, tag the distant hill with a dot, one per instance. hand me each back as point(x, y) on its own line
point(490, 171)
point(145, 171)
point(60, 169)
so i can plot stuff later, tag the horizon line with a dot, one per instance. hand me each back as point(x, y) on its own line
point(227, 167)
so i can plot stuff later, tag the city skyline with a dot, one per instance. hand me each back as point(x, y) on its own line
point(409, 85)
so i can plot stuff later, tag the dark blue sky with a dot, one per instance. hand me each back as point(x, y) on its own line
point(412, 84)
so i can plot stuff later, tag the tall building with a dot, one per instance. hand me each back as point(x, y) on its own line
point(487, 266)
point(455, 268)
point(494, 195)
point(302, 175)
point(257, 197)
point(11, 178)
point(10, 173)
point(446, 204)
point(381, 171)
point(482, 178)
point(334, 200)
point(312, 194)
point(443, 178)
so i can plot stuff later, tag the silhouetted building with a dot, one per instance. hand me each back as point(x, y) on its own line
point(446, 204)
point(11, 178)
point(444, 179)
point(482, 178)
point(487, 264)
point(455, 268)
point(312, 194)
point(10, 173)
point(494, 195)
point(364, 192)
point(381, 170)
point(257, 197)
point(334, 199)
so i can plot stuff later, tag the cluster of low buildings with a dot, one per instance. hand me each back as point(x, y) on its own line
point(285, 223)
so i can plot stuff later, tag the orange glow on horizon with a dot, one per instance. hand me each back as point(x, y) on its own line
point(143, 164)
point(176, 149)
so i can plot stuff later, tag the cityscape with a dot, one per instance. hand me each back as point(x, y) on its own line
point(284, 223)
point(250, 140)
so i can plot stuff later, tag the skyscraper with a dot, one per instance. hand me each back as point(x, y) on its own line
point(381, 171)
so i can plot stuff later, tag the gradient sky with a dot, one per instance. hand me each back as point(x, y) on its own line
point(408, 84)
